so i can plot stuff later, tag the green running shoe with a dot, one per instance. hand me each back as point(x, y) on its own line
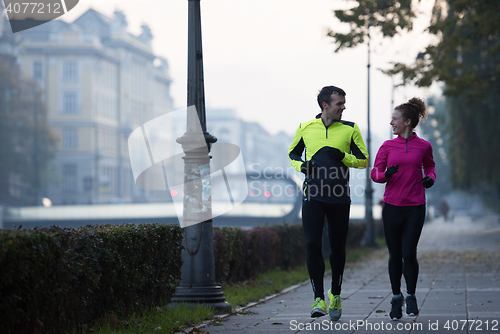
point(318, 308)
point(335, 307)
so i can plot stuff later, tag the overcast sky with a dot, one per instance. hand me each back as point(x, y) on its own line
point(267, 59)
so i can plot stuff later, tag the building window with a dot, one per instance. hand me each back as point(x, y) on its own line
point(70, 71)
point(105, 106)
point(69, 178)
point(87, 183)
point(70, 138)
point(70, 102)
point(106, 179)
point(37, 70)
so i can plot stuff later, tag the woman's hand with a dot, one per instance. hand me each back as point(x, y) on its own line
point(427, 182)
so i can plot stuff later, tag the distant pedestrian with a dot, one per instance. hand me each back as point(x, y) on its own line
point(332, 146)
point(445, 209)
point(399, 163)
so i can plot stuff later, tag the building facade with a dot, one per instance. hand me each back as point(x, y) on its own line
point(265, 156)
point(100, 83)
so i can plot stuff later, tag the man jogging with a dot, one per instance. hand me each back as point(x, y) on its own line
point(332, 146)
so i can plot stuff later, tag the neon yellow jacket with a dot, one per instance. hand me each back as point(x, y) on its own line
point(330, 180)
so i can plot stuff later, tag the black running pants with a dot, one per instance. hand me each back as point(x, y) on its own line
point(313, 218)
point(402, 228)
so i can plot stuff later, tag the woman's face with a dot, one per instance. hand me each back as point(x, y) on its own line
point(398, 123)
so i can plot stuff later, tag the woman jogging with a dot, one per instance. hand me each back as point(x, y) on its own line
point(399, 163)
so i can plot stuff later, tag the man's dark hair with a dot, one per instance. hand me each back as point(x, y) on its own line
point(325, 95)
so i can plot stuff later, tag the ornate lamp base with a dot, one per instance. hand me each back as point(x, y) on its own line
point(211, 296)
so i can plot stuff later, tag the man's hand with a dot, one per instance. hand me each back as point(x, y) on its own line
point(307, 167)
point(427, 182)
point(391, 171)
point(335, 153)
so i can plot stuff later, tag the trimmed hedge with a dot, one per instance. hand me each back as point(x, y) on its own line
point(243, 254)
point(69, 277)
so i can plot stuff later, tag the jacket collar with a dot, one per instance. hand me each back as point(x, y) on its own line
point(414, 136)
point(318, 117)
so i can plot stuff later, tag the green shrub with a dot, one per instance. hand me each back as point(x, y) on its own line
point(243, 254)
point(69, 277)
point(30, 271)
point(355, 234)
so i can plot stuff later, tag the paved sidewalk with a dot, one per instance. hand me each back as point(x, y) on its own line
point(458, 290)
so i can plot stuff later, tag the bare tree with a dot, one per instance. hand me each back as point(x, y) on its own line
point(27, 144)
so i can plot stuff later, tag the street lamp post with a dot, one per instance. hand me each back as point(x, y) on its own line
point(392, 104)
point(369, 237)
point(198, 269)
point(35, 150)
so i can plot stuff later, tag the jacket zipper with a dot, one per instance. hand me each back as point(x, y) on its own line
point(406, 145)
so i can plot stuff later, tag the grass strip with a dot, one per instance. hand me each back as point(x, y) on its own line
point(161, 320)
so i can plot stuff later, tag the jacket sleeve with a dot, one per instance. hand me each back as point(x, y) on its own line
point(379, 166)
point(358, 157)
point(296, 149)
point(428, 164)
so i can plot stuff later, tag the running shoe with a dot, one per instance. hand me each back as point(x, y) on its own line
point(318, 308)
point(335, 307)
point(396, 308)
point(411, 305)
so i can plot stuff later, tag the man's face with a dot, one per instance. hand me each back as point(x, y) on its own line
point(336, 106)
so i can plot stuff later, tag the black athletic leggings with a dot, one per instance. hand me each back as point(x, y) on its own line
point(402, 228)
point(313, 218)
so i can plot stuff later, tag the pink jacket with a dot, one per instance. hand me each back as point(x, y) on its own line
point(404, 188)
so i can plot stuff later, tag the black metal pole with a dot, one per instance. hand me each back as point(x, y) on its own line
point(369, 237)
point(392, 104)
point(198, 270)
point(35, 151)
